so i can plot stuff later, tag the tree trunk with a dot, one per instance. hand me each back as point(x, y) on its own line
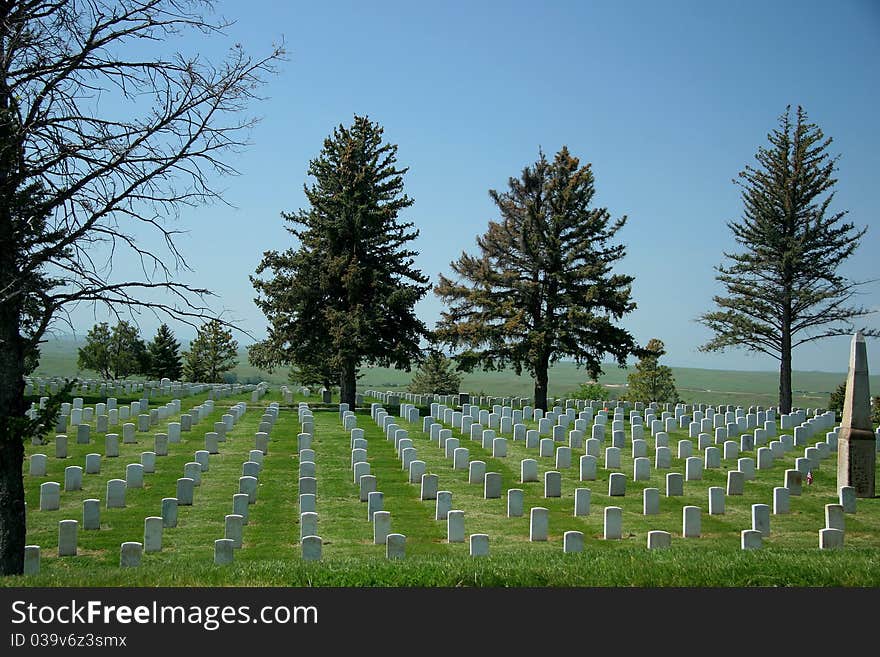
point(785, 366)
point(541, 385)
point(348, 383)
point(13, 527)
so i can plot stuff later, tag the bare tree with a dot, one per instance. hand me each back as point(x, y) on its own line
point(103, 139)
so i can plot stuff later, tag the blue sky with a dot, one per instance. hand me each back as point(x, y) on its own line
point(667, 100)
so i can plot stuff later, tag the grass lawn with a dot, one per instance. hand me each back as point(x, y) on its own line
point(271, 554)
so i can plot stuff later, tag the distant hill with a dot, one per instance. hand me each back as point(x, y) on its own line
point(811, 389)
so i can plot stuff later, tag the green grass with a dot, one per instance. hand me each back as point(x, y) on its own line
point(270, 555)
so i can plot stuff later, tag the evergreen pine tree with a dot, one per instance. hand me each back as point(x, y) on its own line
point(436, 376)
point(211, 354)
point(541, 287)
point(835, 399)
point(652, 382)
point(783, 289)
point(164, 355)
point(346, 296)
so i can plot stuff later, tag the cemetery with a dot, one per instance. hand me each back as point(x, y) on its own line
point(166, 483)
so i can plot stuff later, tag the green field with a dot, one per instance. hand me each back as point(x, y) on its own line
point(811, 389)
point(271, 554)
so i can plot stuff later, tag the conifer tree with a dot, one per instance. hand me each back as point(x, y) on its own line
point(652, 382)
point(541, 287)
point(164, 355)
point(783, 288)
point(212, 353)
point(436, 375)
point(346, 295)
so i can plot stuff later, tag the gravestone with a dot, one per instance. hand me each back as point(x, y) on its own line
point(552, 484)
point(563, 458)
point(693, 468)
point(528, 470)
point(735, 482)
point(476, 472)
point(830, 538)
point(429, 487)
point(674, 484)
point(130, 554)
point(781, 500)
point(67, 537)
point(761, 518)
point(61, 446)
point(212, 442)
point(193, 470)
point(38, 465)
point(91, 511)
point(395, 546)
point(308, 525)
point(641, 468)
point(538, 523)
point(746, 465)
point(31, 560)
point(659, 539)
point(716, 500)
point(612, 458)
point(751, 539)
point(185, 491)
point(492, 485)
point(587, 468)
point(169, 512)
point(685, 449)
point(73, 475)
point(148, 461)
point(153, 534)
point(691, 524)
point(83, 432)
point(307, 503)
point(856, 442)
point(224, 551)
point(249, 485)
point(443, 505)
point(711, 458)
point(847, 497)
point(311, 548)
point(662, 458)
point(617, 484)
point(111, 445)
point(793, 481)
point(639, 448)
point(479, 545)
point(582, 501)
point(366, 485)
point(455, 526)
point(834, 517)
point(572, 542)
point(514, 502)
point(613, 523)
point(128, 433)
point(651, 501)
point(375, 502)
